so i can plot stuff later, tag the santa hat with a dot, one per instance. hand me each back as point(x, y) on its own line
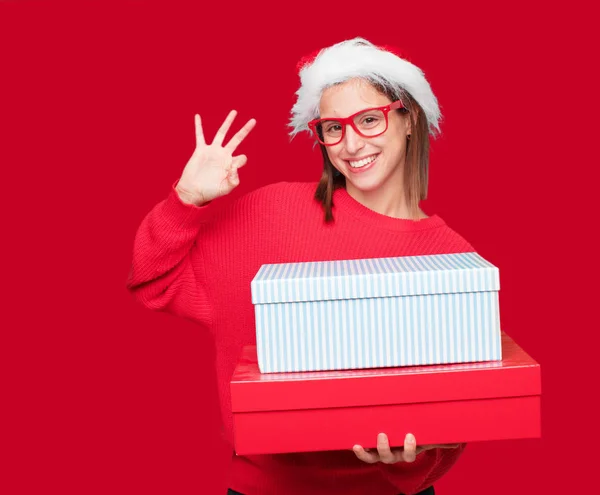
point(359, 58)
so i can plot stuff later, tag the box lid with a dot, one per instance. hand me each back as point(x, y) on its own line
point(373, 277)
point(516, 375)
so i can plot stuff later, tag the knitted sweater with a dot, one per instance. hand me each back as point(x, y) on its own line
point(197, 262)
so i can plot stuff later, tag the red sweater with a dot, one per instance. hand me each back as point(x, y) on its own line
point(197, 262)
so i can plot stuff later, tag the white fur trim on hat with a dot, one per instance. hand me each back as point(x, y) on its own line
point(360, 58)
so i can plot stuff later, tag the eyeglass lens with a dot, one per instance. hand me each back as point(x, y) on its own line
point(368, 123)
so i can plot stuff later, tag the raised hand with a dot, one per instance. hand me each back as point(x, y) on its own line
point(212, 170)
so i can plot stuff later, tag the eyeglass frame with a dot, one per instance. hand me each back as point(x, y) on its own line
point(386, 109)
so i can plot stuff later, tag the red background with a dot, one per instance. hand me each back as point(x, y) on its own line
point(97, 102)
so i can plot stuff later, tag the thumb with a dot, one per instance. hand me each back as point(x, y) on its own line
point(239, 161)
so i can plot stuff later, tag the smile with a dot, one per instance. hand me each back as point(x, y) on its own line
point(363, 162)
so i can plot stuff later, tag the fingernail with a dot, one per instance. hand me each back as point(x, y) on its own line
point(410, 438)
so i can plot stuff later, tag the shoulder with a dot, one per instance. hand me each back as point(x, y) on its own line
point(278, 189)
point(281, 195)
point(451, 241)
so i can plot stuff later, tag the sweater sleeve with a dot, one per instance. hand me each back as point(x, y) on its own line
point(167, 271)
point(427, 469)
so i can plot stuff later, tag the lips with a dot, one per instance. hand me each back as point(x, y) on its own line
point(363, 164)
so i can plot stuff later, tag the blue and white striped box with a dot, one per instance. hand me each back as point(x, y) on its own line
point(382, 312)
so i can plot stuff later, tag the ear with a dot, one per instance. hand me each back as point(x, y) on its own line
point(411, 119)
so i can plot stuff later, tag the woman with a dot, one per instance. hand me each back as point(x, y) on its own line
point(371, 113)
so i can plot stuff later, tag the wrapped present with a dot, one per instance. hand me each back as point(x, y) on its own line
point(383, 312)
point(334, 410)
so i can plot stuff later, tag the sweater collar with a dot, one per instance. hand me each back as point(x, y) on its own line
point(344, 202)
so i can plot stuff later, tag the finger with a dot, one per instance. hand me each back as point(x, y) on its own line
point(383, 448)
point(235, 141)
point(220, 136)
point(363, 455)
point(239, 161)
point(233, 177)
point(199, 132)
point(410, 448)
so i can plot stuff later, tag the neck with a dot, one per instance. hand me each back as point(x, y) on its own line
point(389, 200)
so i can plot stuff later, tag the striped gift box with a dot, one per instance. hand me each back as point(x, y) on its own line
point(382, 312)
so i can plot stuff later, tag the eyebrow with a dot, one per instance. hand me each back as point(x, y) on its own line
point(354, 113)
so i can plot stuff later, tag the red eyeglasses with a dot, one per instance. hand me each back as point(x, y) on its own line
point(367, 123)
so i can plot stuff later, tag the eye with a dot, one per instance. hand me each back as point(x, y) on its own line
point(332, 127)
point(369, 120)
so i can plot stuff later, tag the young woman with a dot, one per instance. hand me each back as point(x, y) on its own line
point(371, 112)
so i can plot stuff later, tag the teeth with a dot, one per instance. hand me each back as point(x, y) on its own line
point(363, 162)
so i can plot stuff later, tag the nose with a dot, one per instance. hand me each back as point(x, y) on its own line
point(353, 141)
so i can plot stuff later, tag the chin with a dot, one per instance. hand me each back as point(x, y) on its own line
point(365, 185)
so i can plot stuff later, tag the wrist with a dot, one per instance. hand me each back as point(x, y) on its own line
point(187, 197)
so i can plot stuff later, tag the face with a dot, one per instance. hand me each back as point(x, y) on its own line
point(371, 164)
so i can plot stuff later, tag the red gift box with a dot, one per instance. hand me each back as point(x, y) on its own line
point(334, 410)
